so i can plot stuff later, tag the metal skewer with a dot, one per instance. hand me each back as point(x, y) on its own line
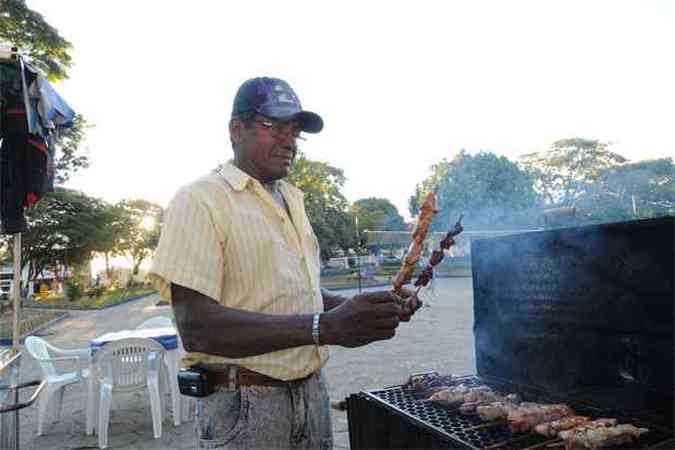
point(484, 425)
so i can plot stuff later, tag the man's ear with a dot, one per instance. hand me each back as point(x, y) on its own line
point(236, 128)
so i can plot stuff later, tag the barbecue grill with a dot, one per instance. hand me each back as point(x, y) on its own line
point(582, 316)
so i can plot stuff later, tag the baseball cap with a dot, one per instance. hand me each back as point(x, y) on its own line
point(274, 98)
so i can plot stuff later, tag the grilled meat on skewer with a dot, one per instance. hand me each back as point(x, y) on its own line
point(428, 382)
point(472, 407)
point(456, 395)
point(426, 276)
point(525, 418)
point(470, 398)
point(551, 429)
point(449, 239)
point(427, 212)
point(496, 410)
point(437, 255)
point(597, 423)
point(592, 438)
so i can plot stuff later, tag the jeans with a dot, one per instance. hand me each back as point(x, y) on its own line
point(296, 416)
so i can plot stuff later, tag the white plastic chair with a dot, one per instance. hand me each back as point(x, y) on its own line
point(188, 404)
point(172, 361)
point(123, 366)
point(156, 322)
point(47, 354)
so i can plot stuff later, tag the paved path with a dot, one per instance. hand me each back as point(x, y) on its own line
point(439, 337)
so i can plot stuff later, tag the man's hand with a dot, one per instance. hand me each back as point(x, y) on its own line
point(365, 318)
point(409, 304)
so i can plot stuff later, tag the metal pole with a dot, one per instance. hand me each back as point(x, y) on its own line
point(16, 292)
point(358, 249)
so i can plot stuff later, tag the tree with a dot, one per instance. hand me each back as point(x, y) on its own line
point(68, 159)
point(564, 172)
point(64, 228)
point(50, 52)
point(30, 32)
point(138, 225)
point(377, 214)
point(491, 191)
point(326, 206)
point(111, 234)
point(634, 190)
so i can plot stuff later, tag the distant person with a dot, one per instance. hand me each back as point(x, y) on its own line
point(240, 263)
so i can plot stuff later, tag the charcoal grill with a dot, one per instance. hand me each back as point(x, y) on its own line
point(582, 316)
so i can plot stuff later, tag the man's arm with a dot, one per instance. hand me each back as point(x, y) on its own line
point(206, 326)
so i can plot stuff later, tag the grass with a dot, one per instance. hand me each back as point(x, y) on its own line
point(85, 302)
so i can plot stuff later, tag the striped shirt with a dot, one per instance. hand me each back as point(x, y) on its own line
point(226, 237)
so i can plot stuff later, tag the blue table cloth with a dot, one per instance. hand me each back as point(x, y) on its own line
point(165, 336)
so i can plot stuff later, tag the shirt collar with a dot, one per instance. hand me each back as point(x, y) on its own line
point(239, 179)
point(236, 177)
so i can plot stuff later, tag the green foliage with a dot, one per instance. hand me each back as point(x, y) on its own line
point(326, 206)
point(63, 230)
point(377, 214)
point(97, 291)
point(68, 159)
point(28, 30)
point(73, 289)
point(136, 227)
point(50, 52)
point(636, 190)
point(491, 191)
point(563, 173)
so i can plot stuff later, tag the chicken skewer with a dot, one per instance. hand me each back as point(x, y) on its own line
point(593, 437)
point(427, 212)
point(438, 254)
point(492, 406)
point(549, 420)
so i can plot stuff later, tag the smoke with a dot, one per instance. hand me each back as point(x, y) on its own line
point(578, 309)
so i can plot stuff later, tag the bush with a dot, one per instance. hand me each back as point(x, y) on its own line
point(97, 291)
point(86, 303)
point(73, 290)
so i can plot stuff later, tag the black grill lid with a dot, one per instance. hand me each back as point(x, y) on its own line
point(585, 313)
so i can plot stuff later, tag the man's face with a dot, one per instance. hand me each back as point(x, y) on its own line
point(267, 148)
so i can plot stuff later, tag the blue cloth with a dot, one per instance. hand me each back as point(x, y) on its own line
point(167, 337)
point(46, 109)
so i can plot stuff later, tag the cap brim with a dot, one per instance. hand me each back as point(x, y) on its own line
point(309, 122)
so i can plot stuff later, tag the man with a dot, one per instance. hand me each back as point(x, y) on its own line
point(240, 263)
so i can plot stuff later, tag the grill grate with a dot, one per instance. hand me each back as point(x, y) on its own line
point(450, 425)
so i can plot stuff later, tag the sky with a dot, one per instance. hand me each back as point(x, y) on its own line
point(400, 84)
